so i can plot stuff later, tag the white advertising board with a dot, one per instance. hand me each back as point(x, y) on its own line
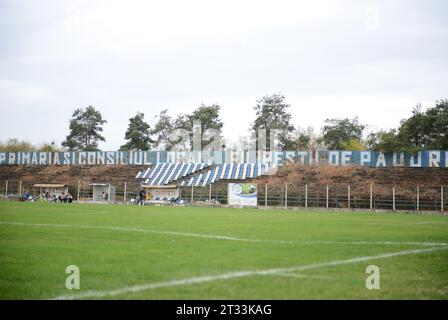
point(242, 194)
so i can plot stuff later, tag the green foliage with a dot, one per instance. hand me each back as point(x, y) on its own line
point(303, 141)
point(338, 134)
point(209, 118)
point(299, 140)
point(163, 128)
point(272, 112)
point(15, 145)
point(138, 134)
point(85, 127)
point(165, 125)
point(437, 122)
point(424, 130)
point(385, 141)
point(49, 147)
point(353, 145)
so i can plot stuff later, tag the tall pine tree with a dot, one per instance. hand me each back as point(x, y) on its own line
point(138, 134)
point(86, 126)
point(272, 113)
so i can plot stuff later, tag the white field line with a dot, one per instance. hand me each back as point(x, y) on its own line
point(407, 225)
point(393, 243)
point(301, 276)
point(430, 222)
point(174, 233)
point(99, 212)
point(66, 212)
point(238, 274)
point(228, 238)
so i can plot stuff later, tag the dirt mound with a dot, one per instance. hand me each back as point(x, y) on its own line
point(72, 175)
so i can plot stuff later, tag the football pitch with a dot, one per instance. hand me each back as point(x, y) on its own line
point(140, 252)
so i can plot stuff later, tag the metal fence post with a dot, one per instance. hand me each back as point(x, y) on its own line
point(125, 191)
point(79, 188)
point(371, 196)
point(327, 195)
point(192, 192)
point(306, 196)
point(286, 195)
point(418, 198)
point(266, 195)
point(393, 198)
point(6, 189)
point(441, 198)
point(210, 194)
point(20, 188)
point(348, 196)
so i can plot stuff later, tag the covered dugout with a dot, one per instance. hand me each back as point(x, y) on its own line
point(103, 192)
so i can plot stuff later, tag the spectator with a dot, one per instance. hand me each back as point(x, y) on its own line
point(26, 196)
point(141, 196)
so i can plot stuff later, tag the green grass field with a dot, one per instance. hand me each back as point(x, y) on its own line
point(134, 252)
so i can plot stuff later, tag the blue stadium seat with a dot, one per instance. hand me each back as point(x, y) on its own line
point(194, 173)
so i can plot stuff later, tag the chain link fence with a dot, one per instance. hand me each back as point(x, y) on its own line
point(373, 197)
point(81, 191)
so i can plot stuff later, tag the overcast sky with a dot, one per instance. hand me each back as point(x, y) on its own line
point(372, 59)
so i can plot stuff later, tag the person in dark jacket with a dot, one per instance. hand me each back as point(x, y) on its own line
point(141, 196)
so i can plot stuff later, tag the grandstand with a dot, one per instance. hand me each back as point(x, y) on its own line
point(416, 189)
point(163, 181)
point(164, 173)
point(200, 174)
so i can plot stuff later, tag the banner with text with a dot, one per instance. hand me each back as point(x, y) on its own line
point(431, 158)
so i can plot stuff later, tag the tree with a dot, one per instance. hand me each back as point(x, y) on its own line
point(49, 147)
point(413, 132)
point(437, 124)
point(15, 145)
point(138, 134)
point(424, 130)
point(338, 133)
point(166, 126)
point(306, 139)
point(163, 128)
point(272, 114)
point(209, 118)
point(85, 127)
point(300, 140)
point(353, 145)
point(385, 141)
